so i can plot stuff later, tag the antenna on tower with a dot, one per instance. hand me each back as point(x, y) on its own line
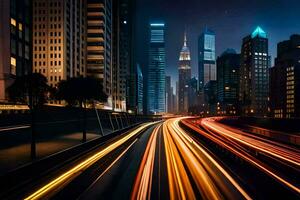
point(185, 38)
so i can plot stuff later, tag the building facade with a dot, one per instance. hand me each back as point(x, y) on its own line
point(59, 39)
point(206, 58)
point(184, 71)
point(99, 44)
point(228, 65)
point(210, 98)
point(15, 42)
point(254, 74)
point(139, 90)
point(285, 80)
point(169, 95)
point(156, 69)
point(124, 67)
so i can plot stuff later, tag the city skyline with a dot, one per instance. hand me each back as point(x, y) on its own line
point(88, 110)
point(278, 18)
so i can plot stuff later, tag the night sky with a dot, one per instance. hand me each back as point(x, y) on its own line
point(230, 19)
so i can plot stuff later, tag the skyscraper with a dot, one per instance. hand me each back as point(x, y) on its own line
point(285, 80)
point(210, 97)
point(184, 71)
point(99, 43)
point(254, 74)
point(156, 69)
point(124, 67)
point(59, 39)
point(206, 58)
point(139, 90)
point(15, 42)
point(169, 95)
point(228, 65)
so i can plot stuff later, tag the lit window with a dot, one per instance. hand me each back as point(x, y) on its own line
point(20, 27)
point(13, 22)
point(13, 65)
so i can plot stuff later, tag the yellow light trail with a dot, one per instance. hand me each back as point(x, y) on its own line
point(211, 159)
point(179, 184)
point(54, 185)
point(143, 181)
point(199, 163)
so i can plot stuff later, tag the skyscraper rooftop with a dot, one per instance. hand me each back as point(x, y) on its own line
point(185, 51)
point(259, 32)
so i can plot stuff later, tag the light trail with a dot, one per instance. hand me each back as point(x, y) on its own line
point(206, 172)
point(69, 175)
point(230, 145)
point(272, 149)
point(179, 184)
point(10, 128)
point(108, 168)
point(143, 181)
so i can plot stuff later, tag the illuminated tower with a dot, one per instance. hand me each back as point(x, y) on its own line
point(184, 71)
point(156, 69)
point(206, 58)
point(254, 74)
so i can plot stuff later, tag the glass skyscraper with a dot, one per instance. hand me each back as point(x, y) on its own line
point(206, 58)
point(140, 87)
point(156, 69)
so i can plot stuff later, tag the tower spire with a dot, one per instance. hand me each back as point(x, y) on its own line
point(185, 40)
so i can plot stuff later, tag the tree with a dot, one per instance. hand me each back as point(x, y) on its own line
point(79, 91)
point(31, 89)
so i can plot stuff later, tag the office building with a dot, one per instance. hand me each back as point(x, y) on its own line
point(194, 94)
point(99, 44)
point(59, 30)
point(228, 65)
point(210, 98)
point(124, 68)
point(254, 74)
point(156, 69)
point(15, 42)
point(285, 80)
point(139, 90)
point(184, 71)
point(169, 95)
point(206, 58)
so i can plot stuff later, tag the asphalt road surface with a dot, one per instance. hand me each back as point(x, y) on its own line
point(181, 158)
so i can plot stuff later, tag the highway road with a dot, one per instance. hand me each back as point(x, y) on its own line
point(180, 158)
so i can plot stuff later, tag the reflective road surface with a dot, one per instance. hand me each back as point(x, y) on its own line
point(180, 158)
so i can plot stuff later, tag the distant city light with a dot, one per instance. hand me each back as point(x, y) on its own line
point(158, 24)
point(125, 22)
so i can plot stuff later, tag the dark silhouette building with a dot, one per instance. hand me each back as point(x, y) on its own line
point(15, 42)
point(285, 80)
point(169, 95)
point(124, 65)
point(228, 65)
point(254, 74)
point(210, 98)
